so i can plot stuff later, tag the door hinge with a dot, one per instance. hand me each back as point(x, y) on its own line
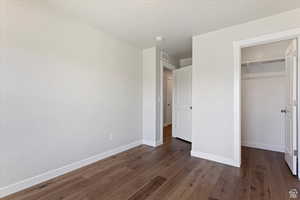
point(296, 153)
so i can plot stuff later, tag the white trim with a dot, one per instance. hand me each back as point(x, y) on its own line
point(161, 89)
point(237, 104)
point(167, 124)
point(215, 158)
point(269, 38)
point(16, 187)
point(237, 45)
point(173, 122)
point(271, 147)
point(298, 111)
point(153, 143)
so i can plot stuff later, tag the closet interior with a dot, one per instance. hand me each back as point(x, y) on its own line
point(264, 95)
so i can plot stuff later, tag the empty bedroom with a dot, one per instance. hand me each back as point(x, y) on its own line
point(149, 100)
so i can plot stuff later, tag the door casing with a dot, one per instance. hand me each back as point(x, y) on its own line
point(237, 46)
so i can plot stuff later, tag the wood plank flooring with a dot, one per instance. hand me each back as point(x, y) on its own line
point(169, 172)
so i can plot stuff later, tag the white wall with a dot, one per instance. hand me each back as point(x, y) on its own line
point(213, 79)
point(262, 122)
point(152, 97)
point(265, 52)
point(65, 88)
point(185, 62)
point(149, 95)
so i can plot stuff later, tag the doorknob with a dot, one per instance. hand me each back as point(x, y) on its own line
point(283, 110)
point(191, 107)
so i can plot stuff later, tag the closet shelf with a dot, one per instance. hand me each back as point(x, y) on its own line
point(263, 75)
point(263, 61)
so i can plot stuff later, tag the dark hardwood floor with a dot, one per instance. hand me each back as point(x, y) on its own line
point(169, 172)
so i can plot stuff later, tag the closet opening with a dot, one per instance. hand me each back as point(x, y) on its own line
point(269, 96)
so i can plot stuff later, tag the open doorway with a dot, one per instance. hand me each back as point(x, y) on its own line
point(269, 97)
point(168, 104)
point(176, 98)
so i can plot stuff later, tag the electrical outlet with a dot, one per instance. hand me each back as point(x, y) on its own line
point(110, 136)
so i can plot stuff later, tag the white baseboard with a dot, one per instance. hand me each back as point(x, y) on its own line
point(271, 147)
point(167, 124)
point(16, 187)
point(152, 143)
point(215, 158)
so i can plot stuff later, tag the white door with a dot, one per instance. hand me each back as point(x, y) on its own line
point(182, 105)
point(169, 100)
point(291, 109)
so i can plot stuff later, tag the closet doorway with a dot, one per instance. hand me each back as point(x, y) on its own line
point(269, 98)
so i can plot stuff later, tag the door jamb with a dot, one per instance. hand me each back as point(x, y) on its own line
point(237, 46)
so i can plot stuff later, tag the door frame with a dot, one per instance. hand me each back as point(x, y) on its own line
point(237, 46)
point(161, 98)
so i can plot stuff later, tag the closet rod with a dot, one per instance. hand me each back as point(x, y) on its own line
point(263, 61)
